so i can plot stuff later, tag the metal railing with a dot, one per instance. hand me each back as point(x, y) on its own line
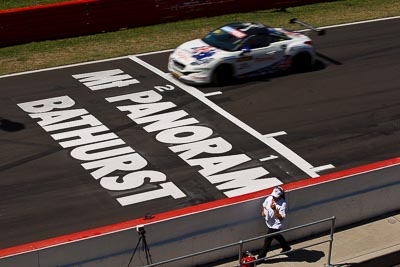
point(242, 242)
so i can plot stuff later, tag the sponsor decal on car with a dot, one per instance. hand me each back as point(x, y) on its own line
point(181, 55)
point(202, 52)
point(234, 32)
point(242, 59)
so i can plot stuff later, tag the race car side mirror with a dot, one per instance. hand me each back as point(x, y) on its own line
point(245, 50)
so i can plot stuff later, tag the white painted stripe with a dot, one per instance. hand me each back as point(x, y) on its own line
point(323, 168)
point(359, 22)
point(352, 23)
point(269, 158)
point(269, 141)
point(154, 52)
point(62, 67)
point(213, 93)
point(275, 134)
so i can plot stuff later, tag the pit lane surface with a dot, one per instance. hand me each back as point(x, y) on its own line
point(344, 113)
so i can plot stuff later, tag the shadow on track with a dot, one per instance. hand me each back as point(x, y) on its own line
point(319, 65)
point(10, 126)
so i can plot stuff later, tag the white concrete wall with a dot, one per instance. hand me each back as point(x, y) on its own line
point(350, 199)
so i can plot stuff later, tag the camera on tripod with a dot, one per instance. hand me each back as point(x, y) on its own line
point(140, 229)
point(145, 247)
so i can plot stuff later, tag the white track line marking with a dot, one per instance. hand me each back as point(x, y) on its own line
point(323, 168)
point(213, 93)
point(351, 23)
point(268, 140)
point(275, 134)
point(65, 66)
point(359, 22)
point(269, 158)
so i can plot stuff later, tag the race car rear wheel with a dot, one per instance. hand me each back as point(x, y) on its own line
point(301, 62)
point(222, 75)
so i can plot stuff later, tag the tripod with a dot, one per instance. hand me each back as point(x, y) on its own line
point(145, 247)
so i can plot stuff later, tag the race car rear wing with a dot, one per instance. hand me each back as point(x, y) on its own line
point(308, 26)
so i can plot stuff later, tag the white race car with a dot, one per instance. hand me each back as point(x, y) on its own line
point(239, 50)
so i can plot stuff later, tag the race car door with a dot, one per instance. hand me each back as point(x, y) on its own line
point(264, 55)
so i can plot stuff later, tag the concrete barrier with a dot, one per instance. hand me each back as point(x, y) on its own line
point(351, 196)
point(82, 17)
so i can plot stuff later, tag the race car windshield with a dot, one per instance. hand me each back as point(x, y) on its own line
point(225, 38)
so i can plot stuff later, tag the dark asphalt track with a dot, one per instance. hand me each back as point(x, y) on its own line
point(346, 112)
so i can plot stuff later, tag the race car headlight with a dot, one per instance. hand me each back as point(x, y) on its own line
point(201, 61)
point(195, 71)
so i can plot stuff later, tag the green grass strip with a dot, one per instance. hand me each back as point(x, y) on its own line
point(9, 4)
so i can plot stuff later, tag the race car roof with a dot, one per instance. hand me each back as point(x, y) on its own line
point(250, 28)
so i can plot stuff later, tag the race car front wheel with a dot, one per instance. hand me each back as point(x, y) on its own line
point(301, 62)
point(222, 75)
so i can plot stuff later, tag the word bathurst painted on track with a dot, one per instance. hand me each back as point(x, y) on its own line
point(106, 155)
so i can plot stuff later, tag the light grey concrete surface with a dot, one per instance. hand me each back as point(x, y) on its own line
point(373, 243)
